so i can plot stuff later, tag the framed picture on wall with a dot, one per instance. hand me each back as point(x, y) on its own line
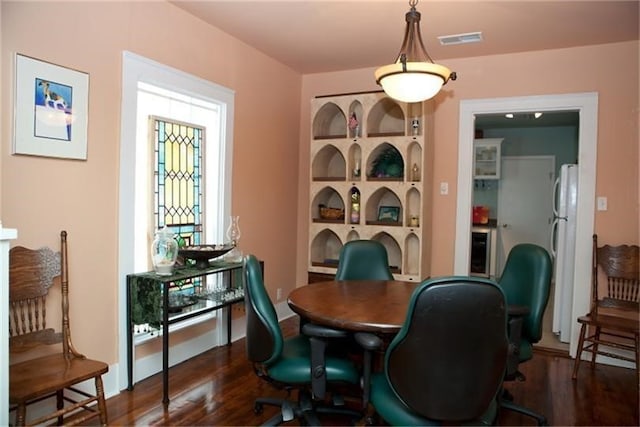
point(51, 110)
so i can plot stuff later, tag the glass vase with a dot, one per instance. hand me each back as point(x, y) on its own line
point(233, 237)
point(164, 251)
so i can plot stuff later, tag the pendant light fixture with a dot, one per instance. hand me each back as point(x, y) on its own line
point(413, 77)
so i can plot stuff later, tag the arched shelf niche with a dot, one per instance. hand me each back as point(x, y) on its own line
point(415, 158)
point(394, 251)
point(386, 118)
point(325, 249)
point(329, 122)
point(329, 165)
point(353, 235)
point(356, 108)
point(412, 254)
point(355, 162)
point(414, 206)
point(329, 198)
point(385, 163)
point(414, 121)
point(386, 197)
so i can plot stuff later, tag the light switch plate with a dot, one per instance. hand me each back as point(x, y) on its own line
point(444, 188)
point(602, 203)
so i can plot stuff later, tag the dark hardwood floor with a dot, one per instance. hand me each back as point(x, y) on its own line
point(218, 388)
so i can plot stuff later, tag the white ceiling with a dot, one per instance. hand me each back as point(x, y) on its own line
point(330, 35)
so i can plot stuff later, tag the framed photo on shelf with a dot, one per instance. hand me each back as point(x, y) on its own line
point(388, 213)
point(51, 106)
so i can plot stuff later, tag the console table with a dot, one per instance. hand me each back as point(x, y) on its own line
point(155, 289)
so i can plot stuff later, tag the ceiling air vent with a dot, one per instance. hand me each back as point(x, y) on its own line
point(460, 38)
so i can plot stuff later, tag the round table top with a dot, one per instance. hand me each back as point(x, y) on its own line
point(355, 305)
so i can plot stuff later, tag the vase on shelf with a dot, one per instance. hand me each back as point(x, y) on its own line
point(164, 251)
point(233, 237)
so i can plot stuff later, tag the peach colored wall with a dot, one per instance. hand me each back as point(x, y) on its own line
point(546, 72)
point(41, 196)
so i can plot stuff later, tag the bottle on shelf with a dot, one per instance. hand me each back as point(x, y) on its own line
point(356, 169)
point(415, 127)
point(355, 205)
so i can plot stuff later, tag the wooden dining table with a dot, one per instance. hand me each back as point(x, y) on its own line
point(378, 306)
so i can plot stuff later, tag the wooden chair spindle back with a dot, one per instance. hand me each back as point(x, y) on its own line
point(621, 266)
point(32, 273)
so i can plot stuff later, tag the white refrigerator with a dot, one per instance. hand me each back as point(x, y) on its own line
point(563, 248)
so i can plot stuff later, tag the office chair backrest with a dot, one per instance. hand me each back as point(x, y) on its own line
point(448, 360)
point(526, 280)
point(264, 338)
point(363, 260)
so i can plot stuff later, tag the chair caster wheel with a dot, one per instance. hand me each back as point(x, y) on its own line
point(257, 408)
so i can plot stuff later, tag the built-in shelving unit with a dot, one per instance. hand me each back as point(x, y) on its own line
point(382, 148)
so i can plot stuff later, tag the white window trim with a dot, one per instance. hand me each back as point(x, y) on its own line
point(136, 68)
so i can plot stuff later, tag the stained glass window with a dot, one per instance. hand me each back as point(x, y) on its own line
point(178, 186)
point(178, 179)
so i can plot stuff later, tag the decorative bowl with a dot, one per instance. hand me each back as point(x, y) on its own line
point(331, 213)
point(201, 254)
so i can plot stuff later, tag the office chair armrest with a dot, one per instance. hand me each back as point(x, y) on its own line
point(370, 343)
point(318, 331)
point(318, 336)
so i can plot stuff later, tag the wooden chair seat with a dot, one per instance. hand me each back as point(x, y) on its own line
point(45, 375)
point(622, 324)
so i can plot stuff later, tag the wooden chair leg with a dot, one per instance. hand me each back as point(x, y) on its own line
point(576, 364)
point(637, 339)
point(102, 405)
point(60, 405)
point(21, 414)
point(596, 344)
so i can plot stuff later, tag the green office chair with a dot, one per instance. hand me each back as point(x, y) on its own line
point(363, 260)
point(526, 281)
point(447, 363)
point(289, 363)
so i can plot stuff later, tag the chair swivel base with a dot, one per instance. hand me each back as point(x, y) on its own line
point(304, 410)
point(540, 419)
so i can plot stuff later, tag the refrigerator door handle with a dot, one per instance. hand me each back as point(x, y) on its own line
point(554, 242)
point(556, 187)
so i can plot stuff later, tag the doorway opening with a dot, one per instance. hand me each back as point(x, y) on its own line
point(586, 105)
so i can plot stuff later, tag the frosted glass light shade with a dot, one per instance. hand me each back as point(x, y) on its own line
point(419, 82)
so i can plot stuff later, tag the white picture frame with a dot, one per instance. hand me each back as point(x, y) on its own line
point(51, 106)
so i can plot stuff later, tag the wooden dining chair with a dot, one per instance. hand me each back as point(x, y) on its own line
point(613, 318)
point(57, 373)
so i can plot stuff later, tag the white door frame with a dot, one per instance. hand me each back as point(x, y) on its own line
point(587, 106)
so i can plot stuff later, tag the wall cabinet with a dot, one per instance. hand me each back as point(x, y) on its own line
point(486, 158)
point(370, 178)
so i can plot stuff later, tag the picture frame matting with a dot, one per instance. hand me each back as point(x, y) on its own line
point(51, 105)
